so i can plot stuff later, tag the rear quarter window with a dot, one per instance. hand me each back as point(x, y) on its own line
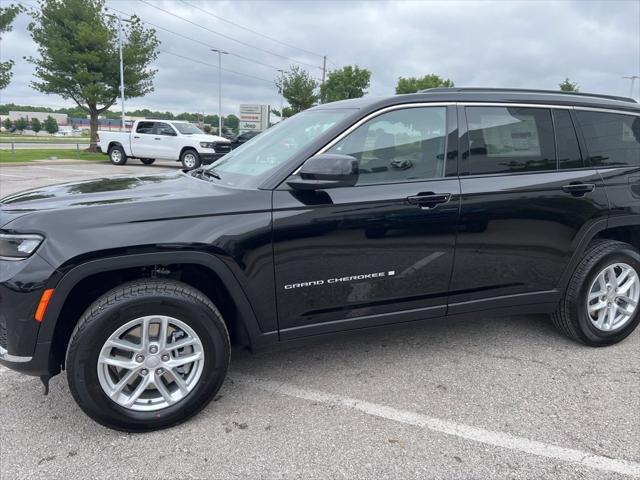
point(611, 139)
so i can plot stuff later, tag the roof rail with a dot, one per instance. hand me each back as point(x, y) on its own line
point(525, 90)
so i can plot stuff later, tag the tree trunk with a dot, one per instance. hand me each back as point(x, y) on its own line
point(93, 125)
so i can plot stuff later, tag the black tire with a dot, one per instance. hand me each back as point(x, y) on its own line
point(147, 161)
point(117, 155)
point(123, 304)
point(190, 159)
point(571, 317)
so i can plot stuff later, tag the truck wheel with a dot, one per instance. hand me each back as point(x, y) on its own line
point(147, 161)
point(147, 355)
point(600, 306)
point(117, 155)
point(190, 159)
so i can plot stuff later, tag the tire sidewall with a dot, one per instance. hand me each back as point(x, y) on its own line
point(123, 157)
point(82, 362)
point(622, 255)
point(197, 163)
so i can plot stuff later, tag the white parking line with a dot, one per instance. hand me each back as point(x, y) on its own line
point(467, 432)
point(2, 174)
point(65, 170)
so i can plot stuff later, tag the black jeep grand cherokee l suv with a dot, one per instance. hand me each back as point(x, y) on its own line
point(350, 215)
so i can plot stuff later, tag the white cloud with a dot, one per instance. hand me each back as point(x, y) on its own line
point(533, 44)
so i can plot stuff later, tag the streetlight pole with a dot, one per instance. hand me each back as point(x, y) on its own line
point(633, 81)
point(281, 98)
point(220, 53)
point(119, 18)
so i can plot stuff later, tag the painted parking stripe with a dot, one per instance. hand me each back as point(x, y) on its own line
point(467, 432)
point(60, 170)
point(2, 174)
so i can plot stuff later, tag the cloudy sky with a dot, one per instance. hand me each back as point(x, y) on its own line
point(525, 44)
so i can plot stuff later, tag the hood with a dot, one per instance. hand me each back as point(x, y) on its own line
point(207, 138)
point(129, 198)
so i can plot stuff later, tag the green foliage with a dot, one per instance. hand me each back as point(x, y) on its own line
point(7, 15)
point(568, 86)
point(298, 88)
point(347, 82)
point(232, 122)
point(78, 55)
point(413, 84)
point(50, 125)
point(207, 129)
point(21, 124)
point(36, 126)
point(7, 124)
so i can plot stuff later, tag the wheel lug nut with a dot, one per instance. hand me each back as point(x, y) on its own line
point(153, 349)
point(139, 358)
point(165, 358)
point(159, 371)
point(144, 372)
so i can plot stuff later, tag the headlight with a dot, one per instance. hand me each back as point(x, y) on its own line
point(17, 247)
point(207, 145)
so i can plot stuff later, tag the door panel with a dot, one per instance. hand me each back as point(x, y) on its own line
point(165, 144)
point(364, 251)
point(143, 144)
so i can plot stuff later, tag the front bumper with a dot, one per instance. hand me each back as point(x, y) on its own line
point(21, 286)
point(207, 158)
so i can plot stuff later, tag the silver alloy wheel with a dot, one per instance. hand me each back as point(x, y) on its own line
point(613, 297)
point(189, 160)
point(150, 363)
point(116, 156)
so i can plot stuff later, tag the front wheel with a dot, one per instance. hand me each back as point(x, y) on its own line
point(147, 161)
point(190, 159)
point(600, 306)
point(117, 155)
point(147, 355)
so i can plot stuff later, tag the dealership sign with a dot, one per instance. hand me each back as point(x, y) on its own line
point(254, 117)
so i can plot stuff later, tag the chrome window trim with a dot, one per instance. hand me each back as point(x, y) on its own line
point(507, 104)
point(607, 110)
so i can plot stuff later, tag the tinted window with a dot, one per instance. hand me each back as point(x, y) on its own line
point(566, 140)
point(164, 129)
point(399, 145)
point(145, 127)
point(510, 139)
point(612, 139)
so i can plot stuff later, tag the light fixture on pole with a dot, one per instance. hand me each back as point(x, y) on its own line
point(220, 53)
point(633, 81)
point(120, 20)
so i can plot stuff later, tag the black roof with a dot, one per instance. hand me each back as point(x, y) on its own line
point(498, 95)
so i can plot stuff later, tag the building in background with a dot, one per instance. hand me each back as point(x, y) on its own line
point(60, 118)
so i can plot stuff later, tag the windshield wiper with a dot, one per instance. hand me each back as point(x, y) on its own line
point(205, 172)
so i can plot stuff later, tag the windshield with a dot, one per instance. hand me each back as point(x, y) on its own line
point(249, 164)
point(187, 128)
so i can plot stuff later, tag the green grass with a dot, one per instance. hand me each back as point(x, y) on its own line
point(29, 155)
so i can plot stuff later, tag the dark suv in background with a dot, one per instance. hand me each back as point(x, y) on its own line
point(350, 215)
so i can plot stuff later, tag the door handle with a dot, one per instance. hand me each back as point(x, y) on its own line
point(157, 138)
point(579, 189)
point(136, 137)
point(429, 200)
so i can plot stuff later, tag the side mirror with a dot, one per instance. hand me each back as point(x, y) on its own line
point(327, 170)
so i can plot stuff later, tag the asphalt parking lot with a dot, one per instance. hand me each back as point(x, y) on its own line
point(448, 399)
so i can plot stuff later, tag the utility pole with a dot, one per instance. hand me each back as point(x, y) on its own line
point(633, 81)
point(220, 53)
point(281, 98)
point(120, 20)
point(324, 73)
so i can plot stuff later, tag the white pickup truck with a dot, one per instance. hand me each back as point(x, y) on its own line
point(163, 139)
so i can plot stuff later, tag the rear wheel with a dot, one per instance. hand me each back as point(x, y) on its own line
point(117, 155)
point(147, 355)
point(147, 161)
point(190, 159)
point(600, 306)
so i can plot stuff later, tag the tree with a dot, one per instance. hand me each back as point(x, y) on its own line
point(347, 82)
point(21, 124)
point(232, 122)
point(50, 125)
point(413, 84)
point(36, 126)
point(7, 15)
point(568, 86)
point(7, 124)
point(79, 59)
point(298, 88)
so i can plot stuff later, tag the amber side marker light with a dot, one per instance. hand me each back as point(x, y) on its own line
point(42, 306)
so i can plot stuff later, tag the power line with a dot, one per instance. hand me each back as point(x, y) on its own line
point(248, 59)
point(250, 30)
point(229, 37)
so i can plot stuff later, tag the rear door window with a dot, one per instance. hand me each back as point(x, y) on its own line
point(612, 139)
point(510, 140)
point(145, 127)
point(567, 141)
point(165, 129)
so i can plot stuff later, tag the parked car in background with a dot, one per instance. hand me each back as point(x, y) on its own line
point(149, 140)
point(242, 138)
